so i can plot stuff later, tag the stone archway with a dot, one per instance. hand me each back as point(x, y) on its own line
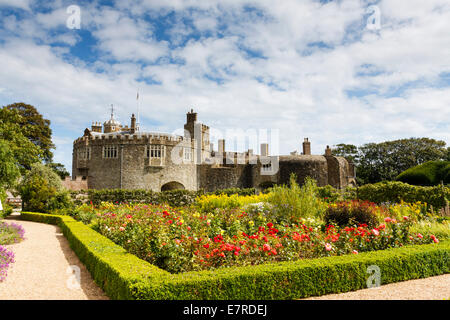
point(173, 185)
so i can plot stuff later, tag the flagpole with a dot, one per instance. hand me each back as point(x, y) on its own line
point(137, 103)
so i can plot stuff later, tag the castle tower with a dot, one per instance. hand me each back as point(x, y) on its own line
point(306, 147)
point(200, 133)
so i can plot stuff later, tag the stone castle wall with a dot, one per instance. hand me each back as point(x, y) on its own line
point(132, 169)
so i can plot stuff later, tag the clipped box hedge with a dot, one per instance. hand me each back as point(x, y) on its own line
point(124, 276)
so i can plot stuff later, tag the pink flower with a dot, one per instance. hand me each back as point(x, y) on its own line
point(328, 246)
point(419, 236)
point(405, 218)
point(355, 252)
point(121, 229)
point(375, 232)
point(387, 219)
point(433, 237)
point(266, 247)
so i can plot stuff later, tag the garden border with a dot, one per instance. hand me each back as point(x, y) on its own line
point(124, 276)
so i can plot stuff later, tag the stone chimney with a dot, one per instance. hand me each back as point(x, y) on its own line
point(328, 151)
point(96, 127)
point(133, 124)
point(264, 149)
point(306, 147)
point(221, 149)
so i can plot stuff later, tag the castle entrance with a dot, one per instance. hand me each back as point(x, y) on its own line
point(173, 185)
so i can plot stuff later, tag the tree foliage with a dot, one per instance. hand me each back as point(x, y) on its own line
point(9, 170)
point(25, 152)
point(59, 169)
point(384, 161)
point(35, 128)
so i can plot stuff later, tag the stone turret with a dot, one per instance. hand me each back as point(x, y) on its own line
point(111, 125)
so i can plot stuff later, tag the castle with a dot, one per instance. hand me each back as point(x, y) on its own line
point(114, 156)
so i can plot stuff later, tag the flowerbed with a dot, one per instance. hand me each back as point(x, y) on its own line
point(123, 276)
point(6, 258)
point(181, 240)
point(9, 234)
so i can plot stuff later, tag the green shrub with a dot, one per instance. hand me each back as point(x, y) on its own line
point(7, 209)
point(352, 212)
point(41, 190)
point(428, 173)
point(396, 191)
point(124, 276)
point(294, 202)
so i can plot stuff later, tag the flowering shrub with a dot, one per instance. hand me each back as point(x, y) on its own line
point(6, 258)
point(416, 211)
point(11, 233)
point(354, 212)
point(209, 203)
point(185, 239)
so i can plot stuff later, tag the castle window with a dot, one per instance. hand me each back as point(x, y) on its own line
point(110, 152)
point(84, 154)
point(155, 151)
point(187, 153)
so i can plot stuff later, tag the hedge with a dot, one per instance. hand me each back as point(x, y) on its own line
point(175, 198)
point(395, 191)
point(124, 276)
point(428, 173)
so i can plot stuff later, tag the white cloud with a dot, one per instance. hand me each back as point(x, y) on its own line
point(289, 85)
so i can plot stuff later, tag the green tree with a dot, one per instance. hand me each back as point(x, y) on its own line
point(25, 152)
point(9, 171)
point(385, 161)
point(59, 169)
point(35, 128)
point(348, 151)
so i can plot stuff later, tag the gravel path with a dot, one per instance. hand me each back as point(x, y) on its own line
point(433, 288)
point(42, 271)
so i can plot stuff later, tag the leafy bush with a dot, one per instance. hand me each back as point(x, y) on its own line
point(396, 191)
point(428, 173)
point(294, 202)
point(41, 190)
point(353, 212)
point(124, 276)
point(7, 209)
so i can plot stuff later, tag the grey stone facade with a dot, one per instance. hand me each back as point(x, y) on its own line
point(125, 158)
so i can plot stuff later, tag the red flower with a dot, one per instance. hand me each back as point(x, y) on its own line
point(270, 224)
point(266, 247)
point(206, 246)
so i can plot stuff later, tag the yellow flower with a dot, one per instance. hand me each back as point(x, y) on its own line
point(251, 223)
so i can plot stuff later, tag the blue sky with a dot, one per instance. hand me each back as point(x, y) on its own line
point(306, 68)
